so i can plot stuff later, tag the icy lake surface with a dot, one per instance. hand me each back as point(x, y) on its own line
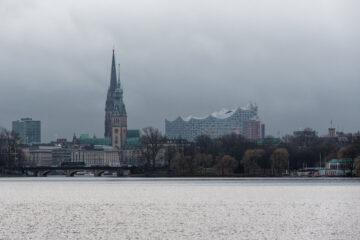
point(120, 208)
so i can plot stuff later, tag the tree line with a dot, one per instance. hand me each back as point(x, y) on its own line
point(11, 154)
point(233, 154)
point(228, 155)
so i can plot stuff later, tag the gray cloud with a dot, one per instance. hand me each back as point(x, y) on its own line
point(298, 60)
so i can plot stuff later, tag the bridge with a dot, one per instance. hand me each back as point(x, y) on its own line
point(70, 171)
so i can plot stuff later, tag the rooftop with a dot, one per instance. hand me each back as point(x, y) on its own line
point(223, 113)
point(340, 160)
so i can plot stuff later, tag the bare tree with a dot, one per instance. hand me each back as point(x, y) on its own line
point(203, 143)
point(279, 160)
point(350, 153)
point(226, 164)
point(204, 161)
point(357, 165)
point(179, 164)
point(153, 141)
point(174, 147)
point(251, 159)
point(11, 155)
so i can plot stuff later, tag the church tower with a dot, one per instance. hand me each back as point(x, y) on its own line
point(109, 106)
point(115, 112)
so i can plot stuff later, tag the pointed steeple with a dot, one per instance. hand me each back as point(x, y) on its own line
point(114, 106)
point(113, 82)
point(118, 99)
point(118, 81)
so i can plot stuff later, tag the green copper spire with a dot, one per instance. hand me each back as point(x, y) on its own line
point(118, 81)
point(118, 101)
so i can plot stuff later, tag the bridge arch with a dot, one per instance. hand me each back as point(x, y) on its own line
point(98, 173)
point(45, 173)
point(71, 173)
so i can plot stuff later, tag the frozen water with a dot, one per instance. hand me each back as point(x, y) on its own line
point(113, 208)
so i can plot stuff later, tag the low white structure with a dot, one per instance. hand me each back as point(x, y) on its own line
point(42, 156)
point(340, 166)
point(98, 156)
point(334, 168)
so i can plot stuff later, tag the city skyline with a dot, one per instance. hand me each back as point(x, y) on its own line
point(205, 119)
point(189, 67)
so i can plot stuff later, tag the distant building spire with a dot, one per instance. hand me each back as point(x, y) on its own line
point(118, 97)
point(113, 83)
point(118, 82)
point(114, 106)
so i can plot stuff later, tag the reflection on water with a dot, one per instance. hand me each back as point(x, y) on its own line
point(134, 208)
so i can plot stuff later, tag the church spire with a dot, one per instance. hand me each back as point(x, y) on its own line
point(118, 97)
point(118, 82)
point(113, 82)
point(115, 112)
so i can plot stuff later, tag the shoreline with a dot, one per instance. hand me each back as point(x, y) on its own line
point(184, 177)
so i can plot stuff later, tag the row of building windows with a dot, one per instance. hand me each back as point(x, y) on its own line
point(215, 127)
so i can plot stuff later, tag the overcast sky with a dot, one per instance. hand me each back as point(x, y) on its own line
point(298, 60)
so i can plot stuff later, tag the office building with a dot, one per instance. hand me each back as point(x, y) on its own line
point(29, 130)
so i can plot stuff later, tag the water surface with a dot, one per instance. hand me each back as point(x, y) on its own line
point(158, 208)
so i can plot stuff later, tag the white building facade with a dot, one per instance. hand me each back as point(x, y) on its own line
point(216, 124)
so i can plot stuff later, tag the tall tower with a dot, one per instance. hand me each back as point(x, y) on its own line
point(109, 106)
point(115, 111)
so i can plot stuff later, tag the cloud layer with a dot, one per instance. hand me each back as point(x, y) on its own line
point(298, 60)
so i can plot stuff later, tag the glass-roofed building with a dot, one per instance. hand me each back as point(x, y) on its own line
point(242, 120)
